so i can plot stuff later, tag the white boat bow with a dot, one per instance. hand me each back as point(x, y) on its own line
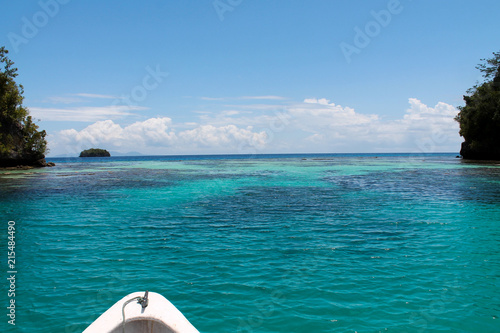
point(142, 312)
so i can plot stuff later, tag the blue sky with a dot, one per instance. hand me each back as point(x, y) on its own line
point(241, 76)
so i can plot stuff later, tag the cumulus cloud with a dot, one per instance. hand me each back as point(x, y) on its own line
point(229, 136)
point(322, 101)
point(422, 128)
point(156, 136)
point(430, 128)
point(320, 114)
point(154, 131)
point(314, 125)
point(420, 116)
point(106, 133)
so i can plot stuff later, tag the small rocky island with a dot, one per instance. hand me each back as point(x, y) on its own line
point(95, 152)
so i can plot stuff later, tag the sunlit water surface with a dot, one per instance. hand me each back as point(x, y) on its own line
point(299, 243)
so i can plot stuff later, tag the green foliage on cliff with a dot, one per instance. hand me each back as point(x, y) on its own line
point(95, 152)
point(20, 139)
point(480, 117)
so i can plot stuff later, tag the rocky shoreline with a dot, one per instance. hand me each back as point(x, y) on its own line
point(24, 164)
point(480, 152)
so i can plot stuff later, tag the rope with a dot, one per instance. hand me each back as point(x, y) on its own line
point(143, 301)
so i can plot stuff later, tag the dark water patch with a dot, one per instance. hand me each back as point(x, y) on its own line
point(473, 184)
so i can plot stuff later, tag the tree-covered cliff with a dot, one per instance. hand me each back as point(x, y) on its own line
point(20, 141)
point(480, 117)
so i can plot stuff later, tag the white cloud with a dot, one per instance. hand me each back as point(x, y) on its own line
point(77, 98)
point(84, 114)
point(212, 98)
point(421, 129)
point(63, 99)
point(100, 132)
point(100, 96)
point(150, 132)
point(316, 114)
point(421, 116)
point(154, 131)
point(266, 97)
point(155, 136)
point(322, 101)
point(431, 129)
point(315, 138)
point(228, 137)
point(315, 125)
point(230, 113)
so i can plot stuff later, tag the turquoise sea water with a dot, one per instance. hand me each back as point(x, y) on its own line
point(298, 243)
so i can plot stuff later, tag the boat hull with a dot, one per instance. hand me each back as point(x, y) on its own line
point(160, 316)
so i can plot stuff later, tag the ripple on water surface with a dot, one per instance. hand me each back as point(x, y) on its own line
point(337, 244)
